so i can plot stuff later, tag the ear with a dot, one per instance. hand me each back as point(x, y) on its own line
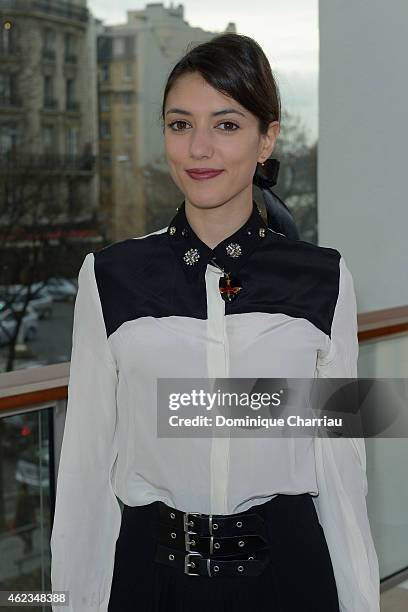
point(268, 141)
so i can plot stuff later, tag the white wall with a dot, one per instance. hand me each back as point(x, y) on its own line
point(363, 144)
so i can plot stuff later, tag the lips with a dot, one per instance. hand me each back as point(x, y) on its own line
point(203, 174)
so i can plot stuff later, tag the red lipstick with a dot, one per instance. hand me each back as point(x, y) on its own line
point(203, 173)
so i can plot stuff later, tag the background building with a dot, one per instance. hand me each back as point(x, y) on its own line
point(48, 118)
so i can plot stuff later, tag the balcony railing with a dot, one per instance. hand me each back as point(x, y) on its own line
point(49, 162)
point(10, 101)
point(50, 103)
point(49, 54)
point(72, 105)
point(10, 50)
point(70, 58)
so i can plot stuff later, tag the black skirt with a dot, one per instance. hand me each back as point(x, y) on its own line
point(298, 578)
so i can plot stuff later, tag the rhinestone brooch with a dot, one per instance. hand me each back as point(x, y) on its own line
point(191, 256)
point(172, 230)
point(229, 287)
point(233, 249)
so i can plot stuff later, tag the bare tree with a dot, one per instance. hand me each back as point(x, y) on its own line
point(40, 202)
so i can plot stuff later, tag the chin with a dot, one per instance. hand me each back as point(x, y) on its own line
point(206, 200)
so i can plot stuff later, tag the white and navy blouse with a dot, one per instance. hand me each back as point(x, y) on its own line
point(150, 307)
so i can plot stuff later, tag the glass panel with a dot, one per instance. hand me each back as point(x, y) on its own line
point(387, 498)
point(26, 482)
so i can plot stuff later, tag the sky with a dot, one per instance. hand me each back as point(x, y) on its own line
point(287, 30)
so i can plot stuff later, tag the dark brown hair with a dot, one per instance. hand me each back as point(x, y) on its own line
point(236, 66)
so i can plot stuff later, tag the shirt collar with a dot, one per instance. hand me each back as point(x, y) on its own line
point(230, 254)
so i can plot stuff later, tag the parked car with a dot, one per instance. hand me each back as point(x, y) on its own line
point(42, 302)
point(73, 281)
point(61, 288)
point(8, 322)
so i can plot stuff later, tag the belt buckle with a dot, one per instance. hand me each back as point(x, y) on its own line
point(186, 520)
point(187, 540)
point(187, 563)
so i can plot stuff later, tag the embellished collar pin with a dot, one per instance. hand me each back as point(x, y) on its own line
point(229, 255)
point(191, 256)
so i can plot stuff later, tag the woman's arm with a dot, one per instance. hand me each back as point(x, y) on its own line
point(87, 514)
point(341, 472)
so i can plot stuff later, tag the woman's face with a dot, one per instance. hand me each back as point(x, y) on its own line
point(196, 138)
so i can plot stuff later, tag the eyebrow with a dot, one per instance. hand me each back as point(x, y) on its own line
point(223, 111)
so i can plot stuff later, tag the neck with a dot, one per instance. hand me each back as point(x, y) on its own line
point(215, 224)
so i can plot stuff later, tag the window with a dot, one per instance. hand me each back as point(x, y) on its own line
point(105, 75)
point(49, 101)
point(104, 48)
point(8, 136)
point(123, 46)
point(104, 129)
point(48, 138)
point(49, 41)
point(104, 101)
point(48, 86)
point(69, 47)
point(69, 43)
point(106, 158)
point(127, 71)
point(70, 94)
point(7, 87)
point(118, 47)
point(71, 141)
point(127, 97)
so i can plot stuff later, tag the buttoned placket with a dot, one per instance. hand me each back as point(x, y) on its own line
point(195, 258)
point(218, 367)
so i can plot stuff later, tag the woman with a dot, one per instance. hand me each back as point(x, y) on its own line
point(215, 294)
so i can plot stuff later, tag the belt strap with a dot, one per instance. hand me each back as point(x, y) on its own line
point(194, 564)
point(220, 525)
point(212, 545)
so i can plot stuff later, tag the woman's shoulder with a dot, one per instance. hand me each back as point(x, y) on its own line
point(304, 245)
point(130, 250)
point(305, 258)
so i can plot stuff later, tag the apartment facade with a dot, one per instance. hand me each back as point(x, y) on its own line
point(48, 103)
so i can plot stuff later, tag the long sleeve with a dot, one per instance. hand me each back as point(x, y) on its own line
point(87, 514)
point(341, 472)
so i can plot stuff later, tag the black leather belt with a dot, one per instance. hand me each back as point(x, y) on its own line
point(212, 545)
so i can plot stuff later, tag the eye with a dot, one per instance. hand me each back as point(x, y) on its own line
point(229, 123)
point(174, 123)
point(178, 121)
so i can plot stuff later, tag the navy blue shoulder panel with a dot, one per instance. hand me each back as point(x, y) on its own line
point(141, 277)
point(293, 277)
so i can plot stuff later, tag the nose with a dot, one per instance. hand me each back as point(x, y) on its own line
point(201, 142)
